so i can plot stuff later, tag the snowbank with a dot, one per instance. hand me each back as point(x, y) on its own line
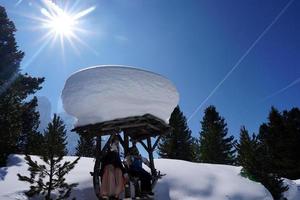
point(184, 180)
point(195, 181)
point(105, 93)
point(293, 192)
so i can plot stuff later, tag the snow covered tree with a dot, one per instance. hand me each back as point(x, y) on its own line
point(86, 146)
point(14, 89)
point(179, 143)
point(215, 147)
point(54, 169)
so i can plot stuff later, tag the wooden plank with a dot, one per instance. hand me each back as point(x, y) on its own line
point(124, 126)
point(144, 145)
point(137, 127)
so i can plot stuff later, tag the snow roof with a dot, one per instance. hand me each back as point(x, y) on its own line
point(104, 93)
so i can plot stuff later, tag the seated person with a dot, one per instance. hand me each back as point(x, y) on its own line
point(112, 173)
point(135, 162)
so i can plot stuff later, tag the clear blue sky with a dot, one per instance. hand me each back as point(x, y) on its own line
point(193, 43)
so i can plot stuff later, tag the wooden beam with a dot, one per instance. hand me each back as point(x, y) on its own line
point(150, 152)
point(144, 145)
point(156, 143)
point(121, 141)
point(153, 127)
point(126, 143)
point(123, 126)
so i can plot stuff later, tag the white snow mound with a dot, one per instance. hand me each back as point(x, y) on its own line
point(103, 93)
point(183, 181)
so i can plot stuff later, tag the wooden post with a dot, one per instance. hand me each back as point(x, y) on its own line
point(97, 167)
point(126, 143)
point(150, 152)
point(98, 144)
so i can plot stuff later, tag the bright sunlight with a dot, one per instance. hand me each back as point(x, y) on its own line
point(61, 23)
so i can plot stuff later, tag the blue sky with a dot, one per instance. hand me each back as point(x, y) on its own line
point(193, 43)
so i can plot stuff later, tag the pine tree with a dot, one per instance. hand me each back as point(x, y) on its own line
point(14, 89)
point(281, 136)
point(86, 146)
point(215, 147)
point(179, 143)
point(196, 149)
point(56, 138)
point(256, 160)
point(244, 146)
point(10, 56)
point(246, 153)
point(53, 169)
point(30, 139)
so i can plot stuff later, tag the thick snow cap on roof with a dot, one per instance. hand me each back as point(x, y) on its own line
point(104, 93)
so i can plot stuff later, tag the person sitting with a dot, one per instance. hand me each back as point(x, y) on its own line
point(135, 162)
point(113, 174)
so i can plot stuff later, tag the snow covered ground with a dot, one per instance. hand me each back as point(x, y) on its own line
point(184, 181)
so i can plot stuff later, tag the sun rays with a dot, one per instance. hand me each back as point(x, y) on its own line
point(59, 24)
point(62, 24)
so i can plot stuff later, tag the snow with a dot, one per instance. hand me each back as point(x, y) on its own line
point(293, 192)
point(183, 180)
point(103, 93)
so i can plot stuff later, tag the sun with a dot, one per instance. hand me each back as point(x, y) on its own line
point(62, 24)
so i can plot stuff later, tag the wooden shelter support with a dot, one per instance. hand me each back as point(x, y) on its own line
point(97, 166)
point(150, 152)
point(135, 129)
point(126, 143)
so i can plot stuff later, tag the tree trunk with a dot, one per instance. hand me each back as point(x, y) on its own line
point(48, 197)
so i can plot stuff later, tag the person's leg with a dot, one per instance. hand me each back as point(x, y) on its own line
point(104, 187)
point(145, 180)
point(119, 180)
point(111, 182)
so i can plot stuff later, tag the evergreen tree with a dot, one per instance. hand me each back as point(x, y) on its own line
point(10, 56)
point(253, 156)
point(281, 137)
point(56, 138)
point(30, 139)
point(54, 169)
point(196, 149)
point(215, 147)
point(244, 147)
point(14, 90)
point(262, 172)
point(86, 146)
point(179, 143)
